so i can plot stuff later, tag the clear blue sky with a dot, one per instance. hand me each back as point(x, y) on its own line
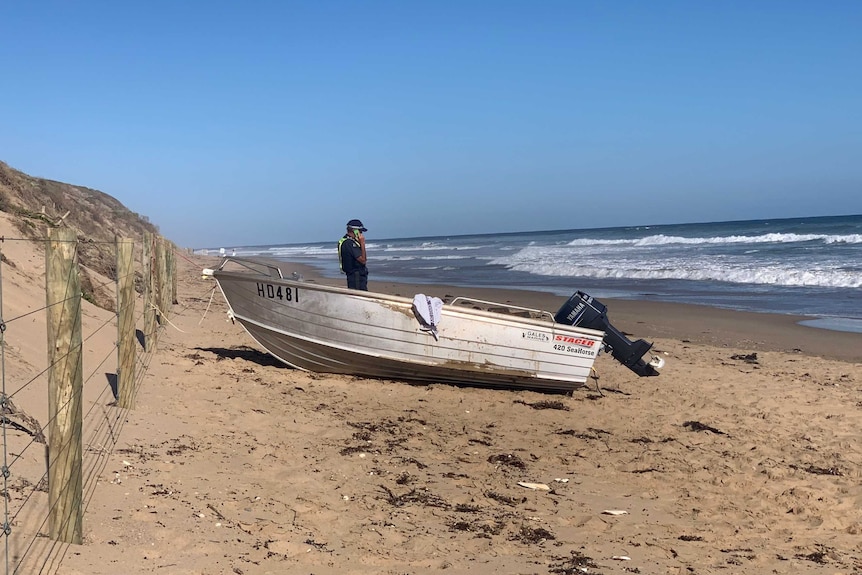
point(259, 122)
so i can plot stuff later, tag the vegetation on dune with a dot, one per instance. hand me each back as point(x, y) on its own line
point(38, 205)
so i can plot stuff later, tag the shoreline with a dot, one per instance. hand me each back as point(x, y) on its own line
point(688, 323)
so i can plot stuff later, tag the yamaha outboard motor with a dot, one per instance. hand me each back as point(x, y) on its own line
point(585, 311)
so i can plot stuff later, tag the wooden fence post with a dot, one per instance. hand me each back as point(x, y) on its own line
point(161, 274)
point(173, 272)
point(167, 280)
point(65, 384)
point(149, 270)
point(125, 323)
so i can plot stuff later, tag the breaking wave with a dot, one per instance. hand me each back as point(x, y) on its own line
point(776, 238)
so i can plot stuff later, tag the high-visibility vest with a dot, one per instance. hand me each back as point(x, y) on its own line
point(341, 241)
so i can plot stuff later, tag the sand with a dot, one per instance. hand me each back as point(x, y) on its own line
point(744, 456)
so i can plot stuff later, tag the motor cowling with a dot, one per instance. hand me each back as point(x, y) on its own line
point(583, 310)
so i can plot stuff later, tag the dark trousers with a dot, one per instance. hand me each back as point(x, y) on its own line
point(358, 280)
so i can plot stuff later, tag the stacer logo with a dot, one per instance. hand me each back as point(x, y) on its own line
point(575, 340)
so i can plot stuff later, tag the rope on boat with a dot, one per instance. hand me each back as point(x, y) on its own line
point(594, 373)
point(212, 295)
point(164, 317)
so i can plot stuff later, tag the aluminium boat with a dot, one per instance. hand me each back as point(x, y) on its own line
point(465, 341)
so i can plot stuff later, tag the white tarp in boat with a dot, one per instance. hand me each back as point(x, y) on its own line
point(428, 311)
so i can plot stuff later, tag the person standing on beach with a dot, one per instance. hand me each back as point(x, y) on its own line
point(352, 257)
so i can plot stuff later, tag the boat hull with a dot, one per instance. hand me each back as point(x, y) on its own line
point(334, 330)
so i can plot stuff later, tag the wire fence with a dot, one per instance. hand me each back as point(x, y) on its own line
point(30, 542)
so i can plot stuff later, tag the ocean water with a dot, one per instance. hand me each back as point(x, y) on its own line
point(805, 266)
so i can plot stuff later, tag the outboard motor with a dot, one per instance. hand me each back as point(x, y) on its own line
point(584, 311)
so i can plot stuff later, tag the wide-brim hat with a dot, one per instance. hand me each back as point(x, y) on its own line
point(356, 225)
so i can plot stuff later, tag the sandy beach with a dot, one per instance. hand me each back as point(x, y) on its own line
point(744, 456)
